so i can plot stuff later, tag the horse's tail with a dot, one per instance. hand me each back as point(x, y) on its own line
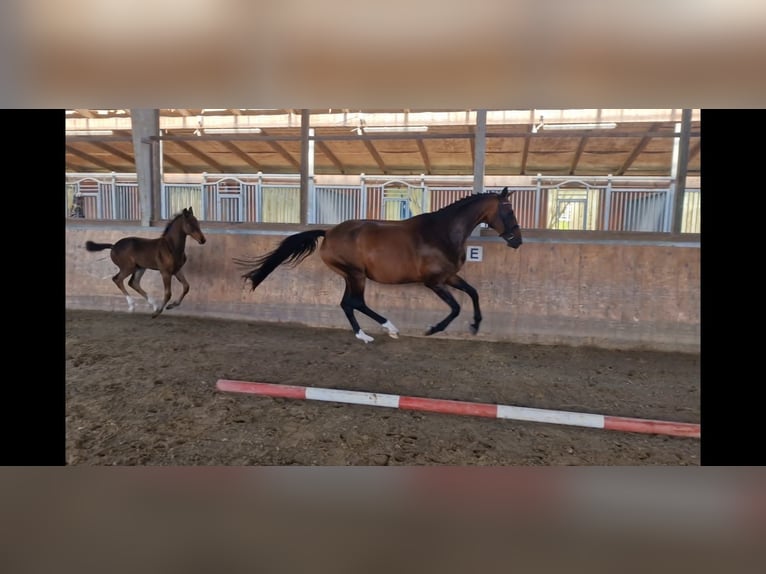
point(91, 246)
point(292, 250)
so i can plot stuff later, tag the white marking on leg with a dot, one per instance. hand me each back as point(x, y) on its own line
point(393, 332)
point(131, 303)
point(364, 336)
point(154, 304)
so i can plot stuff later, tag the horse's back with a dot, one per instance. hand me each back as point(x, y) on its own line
point(386, 251)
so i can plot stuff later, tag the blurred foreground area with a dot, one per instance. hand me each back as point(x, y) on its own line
point(381, 520)
point(298, 53)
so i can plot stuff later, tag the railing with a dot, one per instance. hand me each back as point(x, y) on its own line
point(567, 203)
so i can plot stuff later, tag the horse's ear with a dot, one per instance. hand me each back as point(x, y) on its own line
point(505, 193)
point(191, 212)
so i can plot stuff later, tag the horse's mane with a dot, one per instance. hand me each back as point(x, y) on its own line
point(172, 221)
point(465, 201)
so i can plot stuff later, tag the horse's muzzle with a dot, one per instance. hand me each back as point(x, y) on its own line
point(511, 238)
point(513, 241)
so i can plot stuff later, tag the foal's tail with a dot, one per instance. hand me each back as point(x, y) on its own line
point(91, 246)
point(292, 250)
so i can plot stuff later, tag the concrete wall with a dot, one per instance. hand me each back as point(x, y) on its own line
point(639, 291)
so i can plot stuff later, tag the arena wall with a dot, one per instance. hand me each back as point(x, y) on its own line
point(616, 291)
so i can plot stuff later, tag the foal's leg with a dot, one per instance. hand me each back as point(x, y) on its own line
point(119, 280)
point(180, 276)
point(166, 277)
point(459, 283)
point(353, 299)
point(447, 297)
point(135, 283)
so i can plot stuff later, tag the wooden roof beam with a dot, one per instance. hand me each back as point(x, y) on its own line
point(577, 155)
point(424, 155)
point(524, 156)
point(636, 152)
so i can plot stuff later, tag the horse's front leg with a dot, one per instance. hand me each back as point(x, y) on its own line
point(459, 283)
point(447, 297)
point(180, 276)
point(166, 277)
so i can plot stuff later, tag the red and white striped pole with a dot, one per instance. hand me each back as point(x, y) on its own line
point(463, 408)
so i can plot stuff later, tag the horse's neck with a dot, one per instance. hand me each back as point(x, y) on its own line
point(460, 224)
point(472, 216)
point(176, 238)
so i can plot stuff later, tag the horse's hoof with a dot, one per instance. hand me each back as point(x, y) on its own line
point(393, 332)
point(474, 329)
point(362, 336)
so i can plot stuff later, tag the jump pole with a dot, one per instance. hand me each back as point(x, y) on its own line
point(487, 410)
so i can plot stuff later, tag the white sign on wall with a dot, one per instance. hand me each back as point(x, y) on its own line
point(474, 253)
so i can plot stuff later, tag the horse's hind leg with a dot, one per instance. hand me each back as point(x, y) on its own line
point(166, 277)
point(180, 276)
point(353, 299)
point(459, 283)
point(135, 283)
point(447, 297)
point(119, 280)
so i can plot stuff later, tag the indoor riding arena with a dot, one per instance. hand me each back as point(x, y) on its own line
point(589, 348)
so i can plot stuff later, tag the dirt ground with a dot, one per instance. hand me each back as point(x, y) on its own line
point(142, 391)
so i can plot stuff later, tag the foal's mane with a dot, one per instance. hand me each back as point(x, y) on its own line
point(171, 222)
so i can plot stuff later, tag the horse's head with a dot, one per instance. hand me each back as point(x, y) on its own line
point(504, 220)
point(191, 226)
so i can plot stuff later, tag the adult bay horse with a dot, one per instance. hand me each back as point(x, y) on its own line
point(166, 254)
point(429, 248)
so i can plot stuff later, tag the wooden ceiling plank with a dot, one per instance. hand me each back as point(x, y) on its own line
point(200, 155)
point(376, 156)
point(76, 167)
point(695, 149)
point(114, 151)
point(283, 152)
point(92, 159)
point(175, 163)
point(233, 148)
point(331, 156)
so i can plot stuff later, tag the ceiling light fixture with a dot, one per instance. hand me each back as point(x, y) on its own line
point(581, 126)
point(382, 129)
point(232, 130)
point(89, 132)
